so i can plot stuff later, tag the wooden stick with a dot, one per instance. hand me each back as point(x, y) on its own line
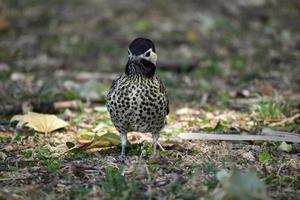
point(268, 131)
point(286, 120)
point(161, 147)
point(233, 137)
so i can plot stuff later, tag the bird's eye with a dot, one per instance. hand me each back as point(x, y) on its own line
point(147, 54)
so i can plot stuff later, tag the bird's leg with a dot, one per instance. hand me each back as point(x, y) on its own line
point(123, 137)
point(155, 137)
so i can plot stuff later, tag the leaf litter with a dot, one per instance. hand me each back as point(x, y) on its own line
point(98, 150)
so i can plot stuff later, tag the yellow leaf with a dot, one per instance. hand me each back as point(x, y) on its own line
point(113, 138)
point(43, 123)
point(97, 140)
point(84, 136)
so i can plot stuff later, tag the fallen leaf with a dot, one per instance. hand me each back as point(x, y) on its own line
point(285, 147)
point(85, 136)
point(43, 123)
point(113, 138)
point(70, 145)
point(241, 185)
point(138, 138)
point(213, 125)
point(263, 157)
point(90, 140)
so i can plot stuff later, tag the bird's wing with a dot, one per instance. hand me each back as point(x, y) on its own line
point(114, 85)
point(163, 90)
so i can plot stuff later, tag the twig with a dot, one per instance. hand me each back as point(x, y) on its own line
point(286, 120)
point(161, 147)
point(268, 131)
point(233, 137)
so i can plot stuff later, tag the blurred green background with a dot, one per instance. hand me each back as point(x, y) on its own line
point(50, 49)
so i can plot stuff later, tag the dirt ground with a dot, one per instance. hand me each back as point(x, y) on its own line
point(228, 68)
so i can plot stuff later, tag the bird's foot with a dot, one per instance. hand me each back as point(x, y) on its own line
point(122, 158)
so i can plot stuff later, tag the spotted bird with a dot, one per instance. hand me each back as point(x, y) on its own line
point(137, 100)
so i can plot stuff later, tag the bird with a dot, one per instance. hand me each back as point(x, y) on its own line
point(137, 100)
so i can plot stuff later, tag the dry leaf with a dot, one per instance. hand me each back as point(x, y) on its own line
point(43, 123)
point(285, 147)
point(90, 140)
point(239, 184)
point(138, 138)
point(84, 136)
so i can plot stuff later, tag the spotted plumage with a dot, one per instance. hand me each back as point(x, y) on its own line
point(137, 100)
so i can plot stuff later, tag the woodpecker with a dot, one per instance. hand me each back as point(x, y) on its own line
point(137, 100)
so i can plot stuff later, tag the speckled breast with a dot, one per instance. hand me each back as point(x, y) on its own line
point(137, 104)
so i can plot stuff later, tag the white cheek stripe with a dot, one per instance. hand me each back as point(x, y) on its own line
point(130, 54)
